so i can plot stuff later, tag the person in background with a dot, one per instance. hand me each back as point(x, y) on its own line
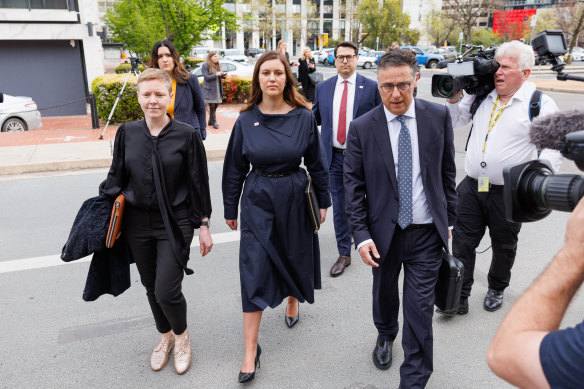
point(337, 101)
point(187, 104)
point(159, 165)
point(279, 255)
point(212, 85)
point(306, 65)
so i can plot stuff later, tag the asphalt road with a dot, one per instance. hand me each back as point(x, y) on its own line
point(51, 338)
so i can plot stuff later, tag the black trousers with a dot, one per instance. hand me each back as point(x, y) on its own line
point(476, 211)
point(160, 273)
point(419, 251)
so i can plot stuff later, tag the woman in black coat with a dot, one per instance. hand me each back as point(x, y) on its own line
point(212, 85)
point(306, 65)
point(159, 165)
point(187, 104)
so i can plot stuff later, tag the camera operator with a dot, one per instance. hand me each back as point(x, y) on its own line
point(528, 349)
point(499, 137)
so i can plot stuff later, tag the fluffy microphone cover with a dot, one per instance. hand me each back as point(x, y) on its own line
point(548, 132)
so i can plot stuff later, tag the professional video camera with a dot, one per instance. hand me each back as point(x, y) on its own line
point(471, 72)
point(531, 189)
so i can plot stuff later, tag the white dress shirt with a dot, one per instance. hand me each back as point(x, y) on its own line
point(508, 142)
point(421, 210)
point(339, 87)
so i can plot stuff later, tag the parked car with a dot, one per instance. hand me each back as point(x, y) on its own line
point(446, 52)
point(429, 60)
point(18, 113)
point(200, 52)
point(577, 54)
point(253, 52)
point(378, 54)
point(367, 60)
point(234, 55)
point(232, 68)
point(323, 56)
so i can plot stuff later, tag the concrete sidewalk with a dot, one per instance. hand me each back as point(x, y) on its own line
point(69, 143)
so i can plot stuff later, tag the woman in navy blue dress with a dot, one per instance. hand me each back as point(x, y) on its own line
point(279, 255)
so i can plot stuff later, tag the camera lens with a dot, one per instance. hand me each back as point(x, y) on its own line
point(445, 86)
point(532, 191)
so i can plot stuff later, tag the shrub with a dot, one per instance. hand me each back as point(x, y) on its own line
point(236, 90)
point(106, 89)
point(192, 61)
point(125, 68)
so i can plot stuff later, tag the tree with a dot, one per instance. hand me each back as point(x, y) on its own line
point(138, 24)
point(486, 38)
point(465, 13)
point(386, 21)
point(439, 27)
point(547, 19)
point(571, 20)
point(512, 29)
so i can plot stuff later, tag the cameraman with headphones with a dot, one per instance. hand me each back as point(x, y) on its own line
point(528, 350)
point(499, 137)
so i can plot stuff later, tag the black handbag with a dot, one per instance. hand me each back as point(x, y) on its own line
point(312, 205)
point(315, 77)
point(449, 285)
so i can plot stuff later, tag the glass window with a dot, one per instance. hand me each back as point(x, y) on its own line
point(14, 4)
point(48, 4)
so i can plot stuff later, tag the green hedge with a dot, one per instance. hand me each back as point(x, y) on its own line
point(192, 61)
point(125, 68)
point(106, 89)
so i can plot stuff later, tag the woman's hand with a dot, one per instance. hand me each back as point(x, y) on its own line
point(322, 215)
point(232, 224)
point(311, 66)
point(205, 240)
point(219, 73)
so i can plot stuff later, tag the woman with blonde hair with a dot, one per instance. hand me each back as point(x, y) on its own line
point(306, 65)
point(279, 254)
point(212, 85)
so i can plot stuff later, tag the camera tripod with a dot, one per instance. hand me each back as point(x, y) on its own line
point(134, 61)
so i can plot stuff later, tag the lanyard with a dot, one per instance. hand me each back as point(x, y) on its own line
point(492, 122)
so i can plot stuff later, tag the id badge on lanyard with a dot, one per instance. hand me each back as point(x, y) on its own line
point(483, 181)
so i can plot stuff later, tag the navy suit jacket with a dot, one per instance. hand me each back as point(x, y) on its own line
point(189, 106)
point(366, 98)
point(371, 192)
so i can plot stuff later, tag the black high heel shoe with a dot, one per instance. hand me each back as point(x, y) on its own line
point(291, 321)
point(246, 377)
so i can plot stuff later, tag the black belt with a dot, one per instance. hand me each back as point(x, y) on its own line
point(416, 226)
point(340, 151)
point(274, 174)
point(491, 186)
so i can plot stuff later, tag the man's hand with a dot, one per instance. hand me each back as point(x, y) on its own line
point(364, 253)
point(456, 98)
point(322, 215)
point(232, 224)
point(205, 240)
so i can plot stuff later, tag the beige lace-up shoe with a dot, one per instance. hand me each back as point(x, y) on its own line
point(160, 354)
point(183, 357)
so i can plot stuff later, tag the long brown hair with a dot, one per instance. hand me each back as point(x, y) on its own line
point(213, 67)
point(291, 96)
point(179, 73)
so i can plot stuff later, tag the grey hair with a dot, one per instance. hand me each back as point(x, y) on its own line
point(521, 51)
point(398, 57)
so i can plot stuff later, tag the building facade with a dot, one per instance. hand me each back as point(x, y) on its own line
point(54, 49)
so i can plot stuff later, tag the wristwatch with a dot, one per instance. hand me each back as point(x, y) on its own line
point(206, 223)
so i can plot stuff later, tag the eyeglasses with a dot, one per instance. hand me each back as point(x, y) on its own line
point(402, 87)
point(342, 58)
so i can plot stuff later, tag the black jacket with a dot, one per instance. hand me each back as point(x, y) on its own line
point(189, 106)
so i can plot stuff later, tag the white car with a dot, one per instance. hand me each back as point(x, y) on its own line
point(234, 55)
point(200, 52)
point(232, 68)
point(18, 113)
point(577, 54)
point(323, 56)
point(367, 60)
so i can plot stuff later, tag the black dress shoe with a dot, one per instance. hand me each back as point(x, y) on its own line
point(493, 300)
point(339, 267)
point(291, 321)
point(246, 377)
point(382, 353)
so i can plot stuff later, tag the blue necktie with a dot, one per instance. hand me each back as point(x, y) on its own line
point(404, 175)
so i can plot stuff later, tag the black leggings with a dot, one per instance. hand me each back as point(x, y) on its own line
point(160, 273)
point(212, 111)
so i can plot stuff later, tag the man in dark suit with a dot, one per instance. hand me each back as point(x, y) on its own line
point(401, 203)
point(337, 102)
